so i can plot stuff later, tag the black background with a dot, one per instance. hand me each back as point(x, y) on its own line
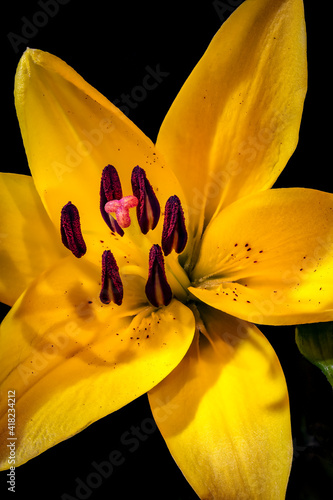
point(110, 44)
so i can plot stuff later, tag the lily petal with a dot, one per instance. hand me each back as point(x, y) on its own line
point(72, 360)
point(71, 132)
point(268, 258)
point(233, 440)
point(28, 242)
point(235, 122)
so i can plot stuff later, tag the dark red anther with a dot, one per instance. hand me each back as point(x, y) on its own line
point(148, 209)
point(158, 290)
point(174, 235)
point(70, 229)
point(112, 287)
point(110, 190)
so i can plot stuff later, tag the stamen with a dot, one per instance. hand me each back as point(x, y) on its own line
point(70, 229)
point(174, 235)
point(121, 209)
point(112, 287)
point(158, 290)
point(148, 209)
point(110, 190)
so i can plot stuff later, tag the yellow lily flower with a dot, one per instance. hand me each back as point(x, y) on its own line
point(147, 265)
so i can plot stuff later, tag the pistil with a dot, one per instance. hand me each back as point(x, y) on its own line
point(112, 287)
point(121, 209)
point(148, 209)
point(158, 290)
point(70, 229)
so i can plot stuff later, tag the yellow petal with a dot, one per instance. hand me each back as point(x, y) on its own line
point(72, 360)
point(29, 243)
point(268, 258)
point(235, 122)
point(71, 132)
point(224, 413)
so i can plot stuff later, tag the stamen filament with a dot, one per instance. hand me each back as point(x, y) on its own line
point(178, 279)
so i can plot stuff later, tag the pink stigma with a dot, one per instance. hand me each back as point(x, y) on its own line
point(121, 209)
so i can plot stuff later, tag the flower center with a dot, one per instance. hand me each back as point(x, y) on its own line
point(174, 235)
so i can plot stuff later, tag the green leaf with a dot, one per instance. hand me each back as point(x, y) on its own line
point(315, 342)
